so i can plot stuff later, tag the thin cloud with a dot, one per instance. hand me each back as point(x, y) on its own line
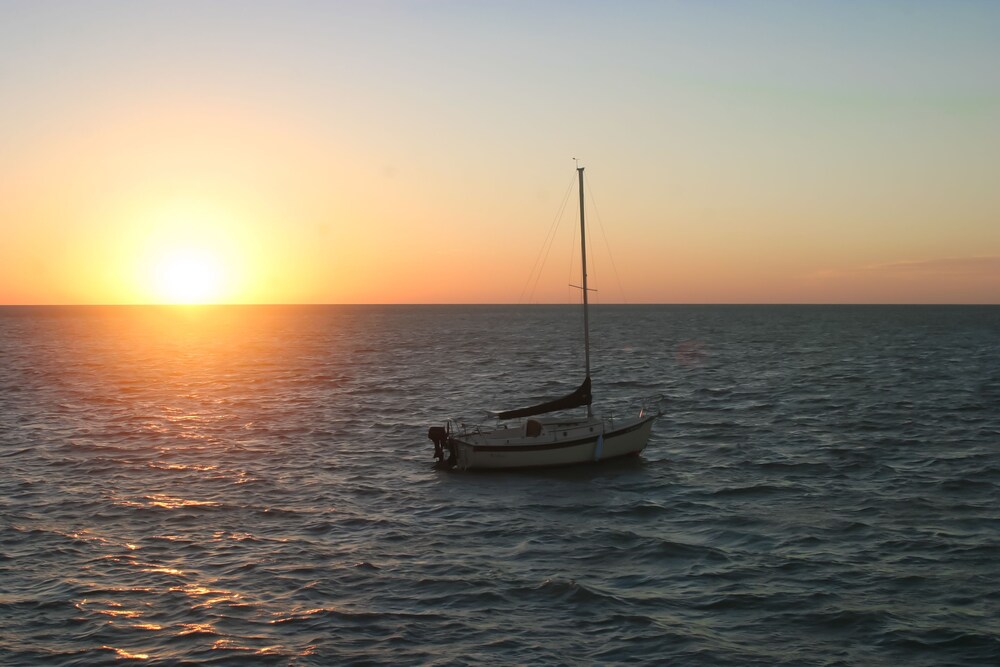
point(957, 267)
point(950, 266)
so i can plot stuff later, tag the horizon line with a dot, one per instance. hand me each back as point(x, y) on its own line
point(491, 303)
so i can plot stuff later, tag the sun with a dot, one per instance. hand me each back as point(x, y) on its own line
point(189, 276)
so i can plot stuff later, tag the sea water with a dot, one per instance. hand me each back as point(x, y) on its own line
point(253, 485)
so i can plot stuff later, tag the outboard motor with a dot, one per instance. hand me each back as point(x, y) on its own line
point(439, 436)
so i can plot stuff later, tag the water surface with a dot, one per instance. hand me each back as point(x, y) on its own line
point(253, 485)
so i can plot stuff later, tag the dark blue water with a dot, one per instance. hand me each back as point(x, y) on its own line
point(253, 485)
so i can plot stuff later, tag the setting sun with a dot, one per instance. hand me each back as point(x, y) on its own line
point(189, 276)
point(189, 251)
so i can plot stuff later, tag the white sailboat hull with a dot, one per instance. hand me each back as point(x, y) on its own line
point(560, 443)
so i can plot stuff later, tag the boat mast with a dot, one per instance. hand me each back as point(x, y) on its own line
point(583, 263)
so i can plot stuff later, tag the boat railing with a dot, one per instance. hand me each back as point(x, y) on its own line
point(637, 408)
point(463, 428)
point(646, 405)
point(642, 407)
point(652, 404)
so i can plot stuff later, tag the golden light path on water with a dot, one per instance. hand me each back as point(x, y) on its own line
point(201, 591)
point(168, 374)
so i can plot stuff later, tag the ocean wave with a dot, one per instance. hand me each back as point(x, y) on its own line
point(821, 491)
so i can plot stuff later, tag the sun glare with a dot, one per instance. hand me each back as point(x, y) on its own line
point(189, 277)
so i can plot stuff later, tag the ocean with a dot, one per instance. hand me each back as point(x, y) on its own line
point(253, 485)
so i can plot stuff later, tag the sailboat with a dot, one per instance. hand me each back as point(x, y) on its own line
point(524, 438)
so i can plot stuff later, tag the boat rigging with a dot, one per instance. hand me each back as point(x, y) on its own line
point(536, 441)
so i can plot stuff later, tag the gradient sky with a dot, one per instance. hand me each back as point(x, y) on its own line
point(418, 152)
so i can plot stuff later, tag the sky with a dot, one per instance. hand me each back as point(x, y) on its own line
point(423, 151)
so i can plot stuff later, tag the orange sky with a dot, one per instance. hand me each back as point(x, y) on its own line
point(418, 152)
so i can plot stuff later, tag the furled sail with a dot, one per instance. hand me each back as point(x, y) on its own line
point(581, 396)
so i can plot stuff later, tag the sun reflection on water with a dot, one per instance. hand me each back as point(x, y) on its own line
point(173, 502)
point(196, 628)
point(212, 596)
point(185, 416)
point(162, 569)
point(164, 501)
point(120, 613)
point(181, 466)
point(108, 608)
point(147, 626)
point(126, 655)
